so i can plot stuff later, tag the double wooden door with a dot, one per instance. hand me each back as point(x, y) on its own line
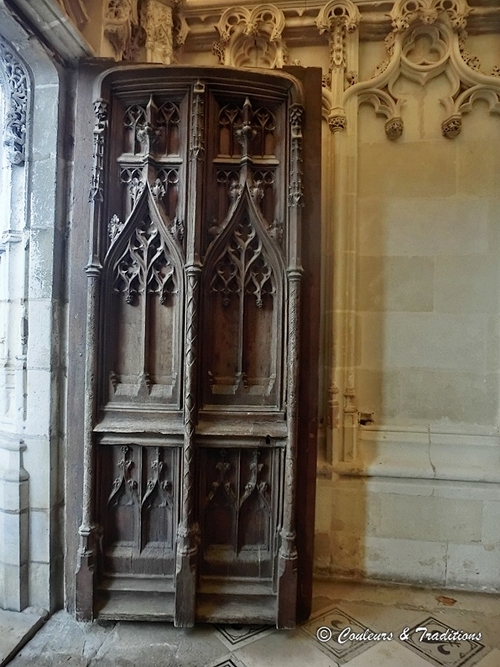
point(200, 404)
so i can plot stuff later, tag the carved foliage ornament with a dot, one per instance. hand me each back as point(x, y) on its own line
point(132, 24)
point(14, 80)
point(251, 38)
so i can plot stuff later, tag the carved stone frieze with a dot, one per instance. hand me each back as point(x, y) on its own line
point(251, 38)
point(14, 78)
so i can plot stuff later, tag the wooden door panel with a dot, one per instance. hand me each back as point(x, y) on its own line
point(193, 348)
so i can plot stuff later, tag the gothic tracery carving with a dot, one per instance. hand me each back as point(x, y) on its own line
point(242, 268)
point(15, 79)
point(145, 265)
point(251, 38)
point(427, 40)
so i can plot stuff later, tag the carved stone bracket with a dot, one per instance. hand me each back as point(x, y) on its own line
point(251, 38)
point(121, 27)
point(14, 78)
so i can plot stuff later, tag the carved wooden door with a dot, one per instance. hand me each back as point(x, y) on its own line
point(195, 417)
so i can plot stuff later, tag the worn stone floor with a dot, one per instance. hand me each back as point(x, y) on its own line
point(324, 641)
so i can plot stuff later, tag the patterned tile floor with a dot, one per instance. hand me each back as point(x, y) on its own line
point(351, 625)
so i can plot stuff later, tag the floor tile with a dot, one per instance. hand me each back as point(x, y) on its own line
point(491, 660)
point(236, 636)
point(438, 646)
point(229, 660)
point(388, 654)
point(286, 648)
point(333, 630)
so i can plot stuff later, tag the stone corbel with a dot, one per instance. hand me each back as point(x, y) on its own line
point(452, 126)
point(339, 19)
point(387, 106)
point(243, 32)
point(121, 27)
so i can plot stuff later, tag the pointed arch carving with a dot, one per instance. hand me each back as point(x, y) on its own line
point(442, 23)
point(144, 285)
point(251, 38)
point(244, 289)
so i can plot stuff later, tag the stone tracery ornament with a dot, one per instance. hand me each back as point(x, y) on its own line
point(14, 78)
point(428, 40)
point(251, 38)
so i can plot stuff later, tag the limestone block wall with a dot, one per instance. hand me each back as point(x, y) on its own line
point(31, 381)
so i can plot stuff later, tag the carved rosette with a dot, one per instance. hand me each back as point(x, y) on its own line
point(14, 76)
